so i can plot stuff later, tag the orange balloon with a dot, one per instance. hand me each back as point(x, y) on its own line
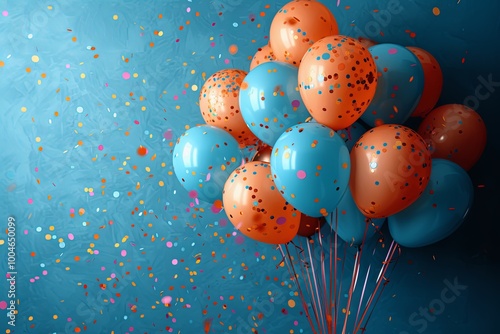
point(337, 81)
point(263, 154)
point(255, 206)
point(433, 82)
point(297, 26)
point(220, 107)
point(263, 55)
point(454, 132)
point(309, 225)
point(390, 168)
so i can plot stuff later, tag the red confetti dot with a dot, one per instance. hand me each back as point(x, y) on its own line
point(142, 151)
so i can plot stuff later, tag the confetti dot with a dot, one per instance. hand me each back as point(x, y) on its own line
point(115, 17)
point(392, 51)
point(30, 201)
point(233, 49)
point(5, 13)
point(3, 303)
point(174, 262)
point(100, 147)
point(142, 151)
point(116, 194)
point(35, 58)
point(291, 303)
point(301, 174)
point(166, 300)
point(436, 11)
point(79, 110)
point(123, 252)
point(126, 75)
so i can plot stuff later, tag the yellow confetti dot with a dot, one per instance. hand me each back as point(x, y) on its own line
point(82, 75)
point(55, 316)
point(38, 139)
point(115, 17)
point(35, 58)
point(24, 109)
point(436, 11)
point(161, 183)
point(48, 237)
point(194, 88)
point(2, 241)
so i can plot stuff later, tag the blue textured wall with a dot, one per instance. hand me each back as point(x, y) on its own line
point(108, 241)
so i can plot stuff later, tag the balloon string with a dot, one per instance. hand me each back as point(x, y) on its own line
point(291, 270)
point(385, 265)
point(367, 222)
point(305, 270)
point(301, 294)
point(320, 309)
point(326, 297)
point(380, 294)
point(355, 272)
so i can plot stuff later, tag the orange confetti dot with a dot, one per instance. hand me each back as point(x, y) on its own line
point(80, 142)
point(2, 63)
point(233, 49)
point(96, 236)
point(142, 151)
point(436, 11)
point(32, 253)
point(28, 70)
point(77, 258)
point(160, 16)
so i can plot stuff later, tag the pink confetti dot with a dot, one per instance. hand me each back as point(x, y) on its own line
point(295, 103)
point(32, 280)
point(392, 51)
point(5, 13)
point(30, 201)
point(281, 220)
point(100, 147)
point(71, 236)
point(169, 244)
point(239, 240)
point(166, 300)
point(193, 194)
point(96, 251)
point(126, 75)
point(188, 9)
point(44, 273)
point(301, 174)
point(226, 61)
point(136, 122)
point(174, 262)
point(3, 305)
point(36, 169)
point(71, 210)
point(123, 252)
point(167, 134)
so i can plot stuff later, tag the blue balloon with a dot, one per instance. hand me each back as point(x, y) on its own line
point(311, 165)
point(203, 158)
point(270, 100)
point(350, 224)
point(439, 211)
point(399, 88)
point(351, 134)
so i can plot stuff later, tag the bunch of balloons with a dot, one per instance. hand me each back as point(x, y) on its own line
point(326, 115)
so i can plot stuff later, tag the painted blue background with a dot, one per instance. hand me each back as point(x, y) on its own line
point(103, 234)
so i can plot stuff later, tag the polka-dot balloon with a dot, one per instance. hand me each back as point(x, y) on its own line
point(391, 166)
point(337, 80)
point(219, 104)
point(255, 207)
